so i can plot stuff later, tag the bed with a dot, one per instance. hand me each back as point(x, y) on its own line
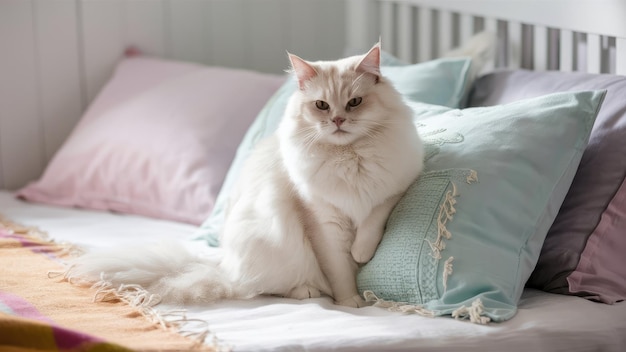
point(83, 168)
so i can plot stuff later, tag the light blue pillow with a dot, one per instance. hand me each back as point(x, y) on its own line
point(467, 234)
point(441, 82)
point(387, 59)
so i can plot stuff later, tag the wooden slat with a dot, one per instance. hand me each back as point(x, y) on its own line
point(594, 49)
point(466, 28)
point(566, 51)
point(59, 77)
point(406, 32)
point(580, 52)
point(620, 56)
point(607, 57)
point(540, 48)
point(424, 31)
point(553, 49)
point(21, 148)
point(514, 43)
point(491, 25)
point(526, 52)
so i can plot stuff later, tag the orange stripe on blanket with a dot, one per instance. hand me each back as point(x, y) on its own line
point(39, 313)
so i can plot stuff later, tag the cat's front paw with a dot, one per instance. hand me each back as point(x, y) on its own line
point(362, 255)
point(355, 302)
point(365, 243)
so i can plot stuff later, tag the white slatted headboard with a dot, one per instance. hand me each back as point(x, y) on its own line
point(55, 55)
point(566, 35)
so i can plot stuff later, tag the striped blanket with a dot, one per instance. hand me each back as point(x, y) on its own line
point(40, 313)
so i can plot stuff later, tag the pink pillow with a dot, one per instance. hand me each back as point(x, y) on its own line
point(157, 141)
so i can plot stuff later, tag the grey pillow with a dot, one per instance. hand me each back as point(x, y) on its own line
point(600, 174)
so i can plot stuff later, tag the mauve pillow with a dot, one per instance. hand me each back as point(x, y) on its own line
point(604, 279)
point(578, 232)
point(157, 141)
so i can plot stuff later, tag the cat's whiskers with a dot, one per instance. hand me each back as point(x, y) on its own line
point(309, 135)
point(374, 129)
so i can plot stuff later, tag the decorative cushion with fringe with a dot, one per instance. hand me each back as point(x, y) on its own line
point(466, 236)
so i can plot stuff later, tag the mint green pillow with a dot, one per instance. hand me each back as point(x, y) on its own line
point(441, 82)
point(467, 234)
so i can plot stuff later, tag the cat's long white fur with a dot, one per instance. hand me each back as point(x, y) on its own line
point(311, 202)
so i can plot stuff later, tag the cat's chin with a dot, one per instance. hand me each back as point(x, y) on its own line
point(341, 137)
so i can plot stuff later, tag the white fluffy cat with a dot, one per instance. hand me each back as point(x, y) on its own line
point(311, 202)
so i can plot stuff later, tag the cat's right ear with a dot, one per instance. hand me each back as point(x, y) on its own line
point(370, 63)
point(303, 70)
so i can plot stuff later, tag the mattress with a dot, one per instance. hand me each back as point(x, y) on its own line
point(544, 322)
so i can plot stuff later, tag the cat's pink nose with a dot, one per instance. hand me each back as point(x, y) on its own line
point(339, 121)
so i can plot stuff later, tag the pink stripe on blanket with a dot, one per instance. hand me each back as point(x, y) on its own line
point(23, 241)
point(35, 247)
point(18, 306)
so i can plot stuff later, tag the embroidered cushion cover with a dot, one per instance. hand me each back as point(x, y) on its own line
point(441, 81)
point(466, 236)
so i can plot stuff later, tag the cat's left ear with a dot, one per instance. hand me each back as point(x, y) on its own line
point(303, 70)
point(370, 63)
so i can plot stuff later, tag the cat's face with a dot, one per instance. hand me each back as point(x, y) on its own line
point(340, 101)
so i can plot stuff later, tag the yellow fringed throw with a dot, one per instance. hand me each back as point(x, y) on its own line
point(38, 313)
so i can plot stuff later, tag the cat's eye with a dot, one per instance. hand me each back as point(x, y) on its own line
point(322, 105)
point(354, 102)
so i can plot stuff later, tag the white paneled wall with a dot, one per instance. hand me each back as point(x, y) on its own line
point(57, 61)
point(21, 142)
point(55, 55)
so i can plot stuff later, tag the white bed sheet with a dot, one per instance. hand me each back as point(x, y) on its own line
point(545, 322)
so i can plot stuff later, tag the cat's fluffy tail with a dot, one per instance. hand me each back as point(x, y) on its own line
point(166, 269)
